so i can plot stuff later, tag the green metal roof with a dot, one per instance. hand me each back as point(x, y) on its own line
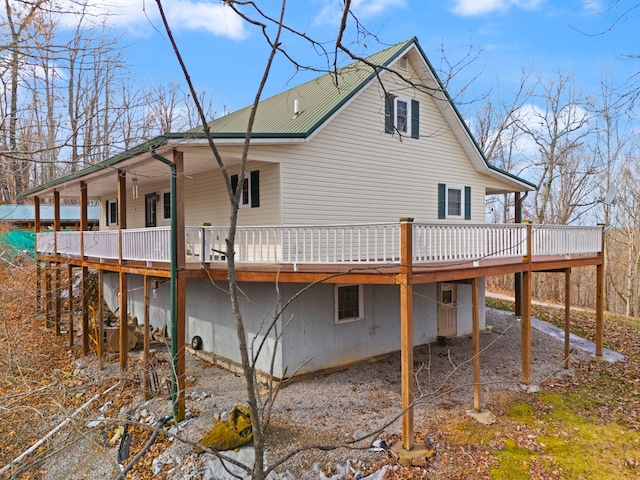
point(317, 100)
point(26, 213)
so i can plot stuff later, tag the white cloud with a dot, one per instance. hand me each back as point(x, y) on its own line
point(479, 7)
point(212, 17)
point(332, 11)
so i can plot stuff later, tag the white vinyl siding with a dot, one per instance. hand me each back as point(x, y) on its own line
point(206, 199)
point(352, 172)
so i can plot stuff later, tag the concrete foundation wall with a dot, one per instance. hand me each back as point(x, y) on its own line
point(312, 340)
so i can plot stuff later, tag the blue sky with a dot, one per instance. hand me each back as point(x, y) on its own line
point(226, 56)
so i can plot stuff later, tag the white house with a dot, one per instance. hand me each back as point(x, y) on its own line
point(334, 164)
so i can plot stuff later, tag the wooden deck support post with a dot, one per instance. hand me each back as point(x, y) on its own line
point(406, 330)
point(100, 322)
point(70, 304)
point(526, 313)
point(600, 298)
point(36, 230)
point(57, 288)
point(84, 292)
point(181, 282)
point(567, 317)
point(180, 374)
point(47, 295)
point(145, 338)
point(475, 316)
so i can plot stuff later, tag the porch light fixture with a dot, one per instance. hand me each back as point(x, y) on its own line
point(135, 188)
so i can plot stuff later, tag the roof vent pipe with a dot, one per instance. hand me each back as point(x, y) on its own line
point(296, 110)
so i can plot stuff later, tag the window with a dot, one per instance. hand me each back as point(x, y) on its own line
point(402, 116)
point(250, 196)
point(111, 212)
point(348, 303)
point(454, 202)
point(166, 205)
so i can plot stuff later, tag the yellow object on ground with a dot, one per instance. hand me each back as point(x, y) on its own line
point(229, 435)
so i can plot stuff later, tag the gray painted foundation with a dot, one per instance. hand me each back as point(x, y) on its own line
point(310, 340)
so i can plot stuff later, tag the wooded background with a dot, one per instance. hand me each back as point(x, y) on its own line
point(69, 101)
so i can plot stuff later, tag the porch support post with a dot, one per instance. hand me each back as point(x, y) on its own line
point(36, 231)
point(517, 277)
point(567, 316)
point(57, 296)
point(70, 304)
point(123, 301)
point(100, 322)
point(600, 298)
point(177, 199)
point(475, 316)
point(47, 295)
point(526, 313)
point(84, 217)
point(406, 330)
point(84, 292)
point(56, 220)
point(145, 338)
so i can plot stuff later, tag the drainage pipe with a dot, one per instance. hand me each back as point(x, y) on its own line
point(174, 282)
point(31, 449)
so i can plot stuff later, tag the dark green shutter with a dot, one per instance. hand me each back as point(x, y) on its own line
point(234, 183)
point(255, 188)
point(415, 119)
point(442, 200)
point(388, 113)
point(467, 203)
point(106, 211)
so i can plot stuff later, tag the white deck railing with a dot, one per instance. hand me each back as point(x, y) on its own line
point(332, 244)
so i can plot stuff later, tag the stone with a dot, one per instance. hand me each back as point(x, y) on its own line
point(483, 416)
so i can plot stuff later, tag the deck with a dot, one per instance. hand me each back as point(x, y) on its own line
point(438, 252)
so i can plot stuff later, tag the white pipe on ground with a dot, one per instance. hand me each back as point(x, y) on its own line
point(31, 449)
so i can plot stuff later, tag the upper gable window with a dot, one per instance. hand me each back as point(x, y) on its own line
point(402, 116)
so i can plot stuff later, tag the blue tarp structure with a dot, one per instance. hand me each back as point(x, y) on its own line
point(13, 242)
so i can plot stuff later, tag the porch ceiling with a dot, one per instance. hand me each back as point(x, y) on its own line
point(145, 169)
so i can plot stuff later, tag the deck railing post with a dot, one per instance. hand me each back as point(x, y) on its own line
point(406, 330)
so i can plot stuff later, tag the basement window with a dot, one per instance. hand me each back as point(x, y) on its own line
point(348, 303)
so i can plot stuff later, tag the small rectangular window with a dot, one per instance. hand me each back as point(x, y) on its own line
point(250, 195)
point(402, 115)
point(348, 303)
point(111, 213)
point(454, 202)
point(166, 205)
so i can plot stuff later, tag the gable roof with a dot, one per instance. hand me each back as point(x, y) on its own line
point(317, 101)
point(26, 213)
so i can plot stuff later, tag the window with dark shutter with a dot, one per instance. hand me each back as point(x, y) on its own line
point(454, 201)
point(250, 196)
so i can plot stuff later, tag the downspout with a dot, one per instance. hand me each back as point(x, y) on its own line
point(174, 281)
